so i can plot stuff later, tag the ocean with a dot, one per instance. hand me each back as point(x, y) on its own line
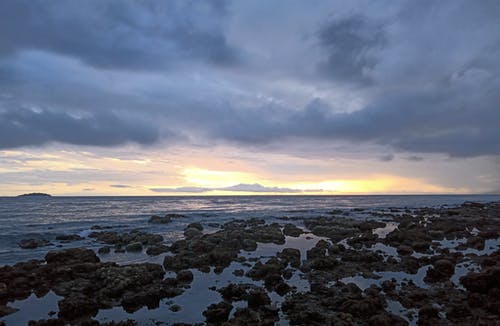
point(35, 217)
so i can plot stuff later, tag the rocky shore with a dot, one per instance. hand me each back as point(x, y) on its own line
point(393, 266)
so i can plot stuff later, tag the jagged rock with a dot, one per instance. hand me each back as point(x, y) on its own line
point(195, 225)
point(440, 271)
point(217, 313)
point(156, 250)
point(190, 233)
point(68, 237)
point(292, 230)
point(134, 247)
point(160, 219)
point(71, 256)
point(34, 243)
point(104, 250)
point(405, 250)
point(483, 281)
point(6, 310)
point(185, 276)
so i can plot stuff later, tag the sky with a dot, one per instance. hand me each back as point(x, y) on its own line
point(249, 97)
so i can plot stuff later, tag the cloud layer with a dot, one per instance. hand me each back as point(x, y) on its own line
point(418, 77)
point(242, 187)
point(23, 127)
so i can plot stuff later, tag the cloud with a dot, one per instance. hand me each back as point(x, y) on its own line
point(242, 187)
point(387, 157)
point(118, 34)
point(415, 158)
point(351, 44)
point(406, 98)
point(29, 127)
point(183, 189)
point(258, 188)
point(120, 186)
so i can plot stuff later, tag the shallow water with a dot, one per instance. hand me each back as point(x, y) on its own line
point(47, 218)
point(32, 217)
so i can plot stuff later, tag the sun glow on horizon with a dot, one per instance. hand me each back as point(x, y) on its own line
point(216, 179)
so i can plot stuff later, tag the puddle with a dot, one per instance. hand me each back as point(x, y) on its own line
point(304, 242)
point(410, 315)
point(463, 269)
point(363, 283)
point(490, 246)
point(387, 251)
point(198, 297)
point(32, 308)
point(384, 231)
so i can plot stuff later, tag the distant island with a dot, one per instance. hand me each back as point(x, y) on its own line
point(35, 194)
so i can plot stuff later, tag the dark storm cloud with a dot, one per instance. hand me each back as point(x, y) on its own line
point(117, 34)
point(350, 44)
point(426, 75)
point(26, 127)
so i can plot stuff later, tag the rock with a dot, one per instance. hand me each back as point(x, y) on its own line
point(257, 298)
point(86, 284)
point(428, 312)
point(100, 227)
point(386, 319)
point(268, 233)
point(104, 250)
point(441, 271)
point(34, 243)
point(282, 288)
point(190, 233)
point(107, 237)
point(175, 308)
point(157, 250)
point(71, 256)
point(125, 239)
point(77, 305)
point(47, 322)
point(195, 225)
point(291, 255)
point(238, 272)
point(249, 245)
point(475, 243)
point(69, 237)
point(160, 219)
point(405, 250)
point(185, 276)
point(421, 246)
point(217, 313)
point(483, 281)
point(134, 247)
point(292, 230)
point(6, 310)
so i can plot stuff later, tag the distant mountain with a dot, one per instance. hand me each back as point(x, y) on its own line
point(35, 194)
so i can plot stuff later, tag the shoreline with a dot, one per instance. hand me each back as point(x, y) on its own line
point(403, 266)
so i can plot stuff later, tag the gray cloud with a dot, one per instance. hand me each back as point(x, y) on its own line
point(183, 189)
point(120, 186)
point(415, 158)
point(387, 157)
point(351, 44)
point(118, 34)
point(258, 188)
point(426, 75)
point(242, 187)
point(28, 127)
